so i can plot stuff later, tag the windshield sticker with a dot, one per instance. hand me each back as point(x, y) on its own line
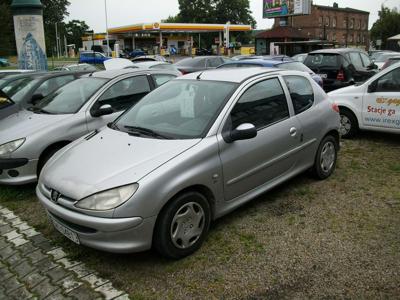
point(187, 105)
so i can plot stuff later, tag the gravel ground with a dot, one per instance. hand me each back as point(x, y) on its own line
point(337, 238)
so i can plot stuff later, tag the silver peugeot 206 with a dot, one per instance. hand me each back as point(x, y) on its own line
point(189, 152)
point(30, 137)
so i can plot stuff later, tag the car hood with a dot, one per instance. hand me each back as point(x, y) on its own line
point(117, 63)
point(25, 123)
point(107, 160)
point(348, 90)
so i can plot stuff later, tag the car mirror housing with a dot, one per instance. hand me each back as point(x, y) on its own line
point(244, 131)
point(103, 110)
point(36, 98)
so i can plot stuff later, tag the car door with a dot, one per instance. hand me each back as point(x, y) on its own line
point(251, 163)
point(120, 96)
point(361, 73)
point(381, 102)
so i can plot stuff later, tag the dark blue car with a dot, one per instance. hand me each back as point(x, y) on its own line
point(91, 57)
point(271, 63)
point(136, 52)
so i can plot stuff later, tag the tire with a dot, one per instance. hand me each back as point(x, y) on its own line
point(182, 225)
point(348, 124)
point(45, 158)
point(326, 158)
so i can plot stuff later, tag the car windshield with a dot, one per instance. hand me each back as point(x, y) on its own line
point(295, 66)
point(71, 97)
point(319, 60)
point(17, 89)
point(180, 109)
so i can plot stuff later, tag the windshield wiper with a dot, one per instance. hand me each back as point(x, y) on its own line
point(38, 110)
point(145, 131)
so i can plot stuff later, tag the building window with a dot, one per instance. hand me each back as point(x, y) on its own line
point(344, 39)
point(334, 36)
point(364, 25)
point(358, 24)
point(351, 23)
point(327, 21)
point(344, 23)
point(327, 37)
point(363, 38)
point(351, 38)
point(321, 35)
point(334, 21)
point(320, 21)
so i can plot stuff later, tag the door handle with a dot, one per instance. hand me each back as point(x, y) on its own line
point(293, 131)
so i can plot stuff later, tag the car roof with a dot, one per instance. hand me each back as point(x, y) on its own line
point(150, 63)
point(258, 61)
point(236, 75)
point(337, 50)
point(110, 74)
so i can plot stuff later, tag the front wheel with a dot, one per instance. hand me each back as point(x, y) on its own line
point(182, 225)
point(348, 124)
point(325, 160)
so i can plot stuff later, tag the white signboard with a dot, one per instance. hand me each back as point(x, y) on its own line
point(31, 47)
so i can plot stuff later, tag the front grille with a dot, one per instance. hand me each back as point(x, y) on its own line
point(76, 227)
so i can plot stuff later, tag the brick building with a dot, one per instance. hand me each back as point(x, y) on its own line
point(344, 27)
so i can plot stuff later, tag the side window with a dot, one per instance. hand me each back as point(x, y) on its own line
point(365, 59)
point(356, 60)
point(98, 55)
point(124, 93)
point(53, 84)
point(301, 92)
point(160, 79)
point(262, 104)
point(389, 82)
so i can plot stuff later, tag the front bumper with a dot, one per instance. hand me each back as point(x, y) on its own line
point(15, 171)
point(117, 235)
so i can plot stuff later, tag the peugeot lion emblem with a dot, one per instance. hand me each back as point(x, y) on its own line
point(55, 195)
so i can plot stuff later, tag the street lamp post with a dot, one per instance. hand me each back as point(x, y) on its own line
point(108, 42)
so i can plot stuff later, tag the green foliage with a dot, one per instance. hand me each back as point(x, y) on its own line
point(386, 26)
point(74, 30)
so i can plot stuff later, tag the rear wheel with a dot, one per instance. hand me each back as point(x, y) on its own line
point(348, 124)
point(182, 225)
point(325, 161)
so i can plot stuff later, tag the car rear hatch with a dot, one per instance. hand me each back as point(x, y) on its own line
point(328, 66)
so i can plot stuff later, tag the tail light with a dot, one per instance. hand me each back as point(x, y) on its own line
point(340, 75)
point(335, 107)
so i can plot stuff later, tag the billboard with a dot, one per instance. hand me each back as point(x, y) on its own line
point(284, 8)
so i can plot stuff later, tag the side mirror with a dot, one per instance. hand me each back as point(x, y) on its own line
point(103, 110)
point(244, 131)
point(36, 98)
point(372, 66)
point(372, 87)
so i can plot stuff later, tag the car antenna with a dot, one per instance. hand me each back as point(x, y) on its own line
point(198, 76)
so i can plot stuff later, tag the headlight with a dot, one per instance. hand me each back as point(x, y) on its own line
point(108, 199)
point(10, 147)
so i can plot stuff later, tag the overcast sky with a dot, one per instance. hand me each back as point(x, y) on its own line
point(126, 12)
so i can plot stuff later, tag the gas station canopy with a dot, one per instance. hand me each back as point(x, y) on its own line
point(177, 27)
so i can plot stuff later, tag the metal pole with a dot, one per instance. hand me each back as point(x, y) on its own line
point(108, 42)
point(65, 46)
point(58, 50)
point(199, 42)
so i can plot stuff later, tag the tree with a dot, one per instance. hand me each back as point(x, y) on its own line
point(234, 11)
point(386, 26)
point(7, 39)
point(54, 11)
point(74, 30)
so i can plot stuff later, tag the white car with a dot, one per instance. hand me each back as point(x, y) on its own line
point(372, 105)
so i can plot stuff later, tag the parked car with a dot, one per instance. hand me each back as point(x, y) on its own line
point(106, 50)
point(28, 89)
point(137, 52)
point(374, 53)
point(194, 64)
point(91, 57)
point(382, 58)
point(341, 67)
point(203, 51)
point(4, 62)
point(28, 139)
point(285, 65)
point(300, 57)
point(373, 105)
point(190, 152)
point(5, 73)
point(391, 61)
point(77, 67)
point(123, 63)
point(149, 58)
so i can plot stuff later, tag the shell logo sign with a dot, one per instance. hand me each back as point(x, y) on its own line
point(156, 25)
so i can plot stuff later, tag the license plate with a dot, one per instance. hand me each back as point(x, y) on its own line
point(65, 231)
point(323, 76)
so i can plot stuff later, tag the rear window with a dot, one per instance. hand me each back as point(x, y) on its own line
point(319, 60)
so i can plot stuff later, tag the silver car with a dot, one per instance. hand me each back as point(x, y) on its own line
point(30, 137)
point(188, 153)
